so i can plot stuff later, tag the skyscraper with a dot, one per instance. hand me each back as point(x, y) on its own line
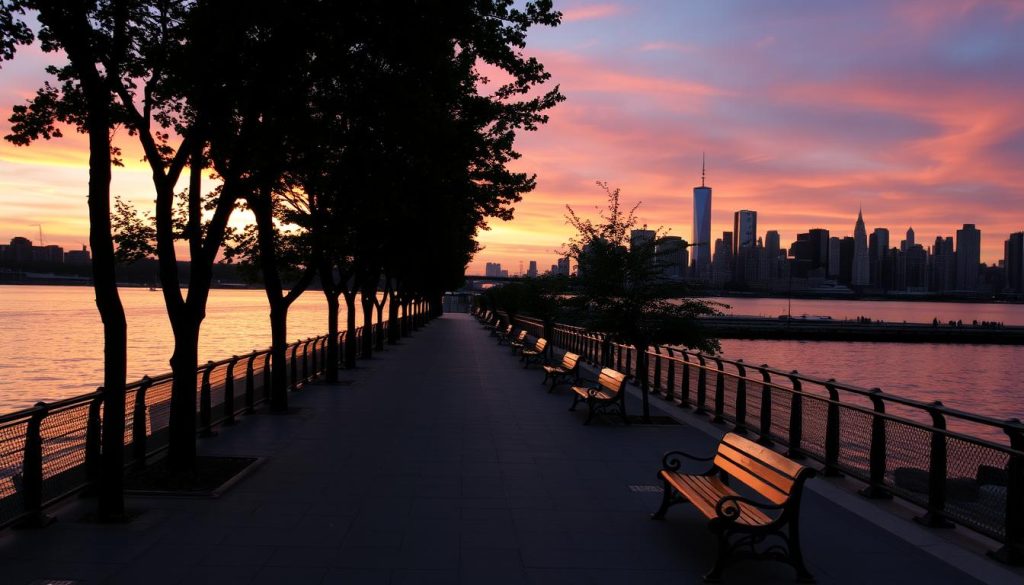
point(861, 275)
point(878, 248)
point(1013, 260)
point(968, 257)
point(700, 243)
point(744, 229)
point(943, 274)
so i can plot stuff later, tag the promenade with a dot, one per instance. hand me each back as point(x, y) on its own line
point(441, 460)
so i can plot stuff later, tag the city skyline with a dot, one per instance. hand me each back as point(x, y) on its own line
point(800, 118)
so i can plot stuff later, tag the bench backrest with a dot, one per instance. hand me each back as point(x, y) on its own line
point(508, 329)
point(611, 380)
point(522, 336)
point(763, 470)
point(570, 360)
point(540, 345)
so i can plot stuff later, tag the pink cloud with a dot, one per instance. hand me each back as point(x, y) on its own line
point(590, 12)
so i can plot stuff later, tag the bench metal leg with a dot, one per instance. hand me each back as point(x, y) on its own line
point(668, 499)
point(715, 574)
point(796, 556)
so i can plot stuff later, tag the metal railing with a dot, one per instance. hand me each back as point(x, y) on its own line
point(961, 468)
point(52, 450)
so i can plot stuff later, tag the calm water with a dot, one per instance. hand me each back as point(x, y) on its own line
point(52, 344)
point(52, 338)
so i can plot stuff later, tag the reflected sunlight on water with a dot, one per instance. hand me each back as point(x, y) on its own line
point(52, 338)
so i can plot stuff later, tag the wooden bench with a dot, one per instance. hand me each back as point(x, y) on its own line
point(741, 523)
point(568, 368)
point(607, 394)
point(518, 342)
point(504, 333)
point(534, 354)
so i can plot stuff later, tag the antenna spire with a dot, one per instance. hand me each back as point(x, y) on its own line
point(702, 169)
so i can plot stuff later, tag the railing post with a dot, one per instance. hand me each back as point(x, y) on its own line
point(629, 362)
point(229, 392)
point(206, 404)
point(684, 391)
point(267, 365)
point(94, 439)
point(935, 517)
point(702, 386)
point(32, 469)
point(295, 366)
point(832, 431)
point(796, 418)
point(250, 384)
point(719, 392)
point(876, 464)
point(1012, 551)
point(656, 386)
point(741, 400)
point(139, 434)
point(305, 361)
point(670, 393)
point(766, 407)
point(312, 358)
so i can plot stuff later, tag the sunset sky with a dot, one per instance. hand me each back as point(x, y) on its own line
point(912, 109)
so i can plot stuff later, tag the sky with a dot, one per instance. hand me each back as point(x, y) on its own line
point(912, 110)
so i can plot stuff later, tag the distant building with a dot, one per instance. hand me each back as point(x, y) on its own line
point(563, 266)
point(833, 257)
point(810, 253)
point(943, 270)
point(701, 241)
point(846, 248)
point(493, 269)
point(878, 248)
point(21, 252)
point(909, 242)
point(968, 257)
point(744, 229)
point(721, 270)
point(1013, 262)
point(642, 238)
point(861, 272)
point(673, 257)
point(531, 272)
point(77, 257)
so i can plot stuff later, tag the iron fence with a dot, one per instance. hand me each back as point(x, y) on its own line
point(52, 450)
point(959, 467)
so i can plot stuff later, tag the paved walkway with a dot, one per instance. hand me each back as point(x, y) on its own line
point(440, 461)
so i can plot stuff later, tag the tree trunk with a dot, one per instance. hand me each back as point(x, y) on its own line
point(379, 326)
point(332, 336)
point(279, 355)
point(350, 336)
point(394, 323)
point(108, 303)
point(367, 302)
point(181, 447)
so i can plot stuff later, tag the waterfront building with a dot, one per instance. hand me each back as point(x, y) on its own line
point(810, 253)
point(878, 247)
point(701, 240)
point(833, 257)
point(531, 272)
point(909, 242)
point(563, 266)
point(774, 258)
point(1013, 262)
point(968, 257)
point(744, 229)
point(492, 269)
point(722, 262)
point(861, 270)
point(641, 238)
point(846, 247)
point(672, 257)
point(77, 257)
point(943, 265)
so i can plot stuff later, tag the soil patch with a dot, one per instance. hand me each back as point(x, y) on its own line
point(211, 477)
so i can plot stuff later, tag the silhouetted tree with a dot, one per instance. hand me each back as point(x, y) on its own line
point(94, 38)
point(620, 290)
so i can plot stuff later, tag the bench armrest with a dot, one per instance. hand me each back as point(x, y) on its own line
point(671, 460)
point(728, 508)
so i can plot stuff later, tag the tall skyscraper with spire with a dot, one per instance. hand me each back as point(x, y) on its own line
point(861, 262)
point(700, 245)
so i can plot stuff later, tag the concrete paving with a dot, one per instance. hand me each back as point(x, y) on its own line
point(441, 460)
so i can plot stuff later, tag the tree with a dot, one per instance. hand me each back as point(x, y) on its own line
point(94, 38)
point(620, 290)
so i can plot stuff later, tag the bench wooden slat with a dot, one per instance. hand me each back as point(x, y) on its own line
point(779, 462)
point(704, 492)
point(744, 475)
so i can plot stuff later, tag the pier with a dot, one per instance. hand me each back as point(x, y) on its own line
point(443, 460)
point(821, 329)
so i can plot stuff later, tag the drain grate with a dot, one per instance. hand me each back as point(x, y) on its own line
point(646, 489)
point(56, 582)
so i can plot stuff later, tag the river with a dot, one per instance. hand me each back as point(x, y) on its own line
point(52, 344)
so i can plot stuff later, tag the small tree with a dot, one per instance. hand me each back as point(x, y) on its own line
point(620, 290)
